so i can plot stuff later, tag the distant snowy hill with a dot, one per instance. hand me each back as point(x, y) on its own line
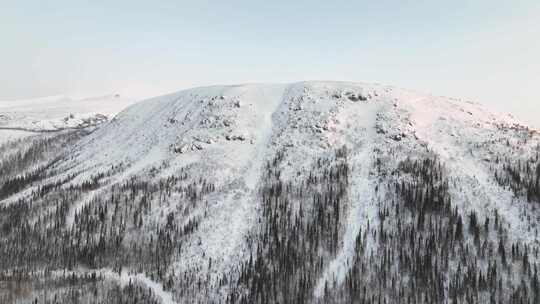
point(312, 192)
point(19, 118)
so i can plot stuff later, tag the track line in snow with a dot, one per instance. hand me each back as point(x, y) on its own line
point(362, 199)
point(363, 208)
point(124, 278)
point(221, 235)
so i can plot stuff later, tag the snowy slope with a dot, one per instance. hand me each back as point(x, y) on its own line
point(206, 156)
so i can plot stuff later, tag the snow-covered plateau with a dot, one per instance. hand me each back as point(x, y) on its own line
point(311, 192)
point(24, 118)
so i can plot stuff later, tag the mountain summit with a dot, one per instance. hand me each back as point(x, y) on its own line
point(312, 192)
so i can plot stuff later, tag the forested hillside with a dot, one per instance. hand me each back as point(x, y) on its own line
point(315, 192)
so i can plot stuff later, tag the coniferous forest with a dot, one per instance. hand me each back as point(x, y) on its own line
point(390, 222)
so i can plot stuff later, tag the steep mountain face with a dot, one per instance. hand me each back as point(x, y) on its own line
point(316, 192)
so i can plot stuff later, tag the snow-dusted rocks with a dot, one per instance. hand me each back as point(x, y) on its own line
point(240, 137)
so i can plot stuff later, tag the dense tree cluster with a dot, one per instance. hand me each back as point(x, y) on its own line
point(55, 227)
point(426, 251)
point(300, 233)
point(25, 161)
point(521, 176)
point(422, 247)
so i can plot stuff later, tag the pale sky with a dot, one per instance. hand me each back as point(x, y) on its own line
point(486, 51)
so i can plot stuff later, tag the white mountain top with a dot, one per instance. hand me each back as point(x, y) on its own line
point(312, 192)
point(230, 126)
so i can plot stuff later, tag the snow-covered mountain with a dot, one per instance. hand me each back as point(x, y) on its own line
point(313, 192)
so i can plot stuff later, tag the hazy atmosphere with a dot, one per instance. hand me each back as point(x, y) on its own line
point(485, 51)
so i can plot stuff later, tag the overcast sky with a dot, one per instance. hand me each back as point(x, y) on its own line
point(487, 51)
